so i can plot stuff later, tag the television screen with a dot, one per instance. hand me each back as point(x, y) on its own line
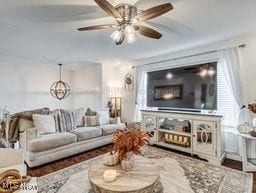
point(191, 87)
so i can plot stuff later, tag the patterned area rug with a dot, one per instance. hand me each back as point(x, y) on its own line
point(178, 174)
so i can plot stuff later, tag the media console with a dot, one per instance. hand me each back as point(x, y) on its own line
point(191, 132)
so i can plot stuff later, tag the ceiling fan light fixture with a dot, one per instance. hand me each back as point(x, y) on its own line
point(116, 35)
point(130, 39)
point(134, 20)
point(129, 30)
point(127, 17)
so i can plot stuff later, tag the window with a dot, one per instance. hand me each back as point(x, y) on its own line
point(226, 104)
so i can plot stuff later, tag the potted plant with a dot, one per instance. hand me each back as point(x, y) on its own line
point(127, 143)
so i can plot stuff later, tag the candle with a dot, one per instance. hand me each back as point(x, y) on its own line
point(110, 175)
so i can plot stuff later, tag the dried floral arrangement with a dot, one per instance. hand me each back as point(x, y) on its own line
point(129, 140)
point(252, 107)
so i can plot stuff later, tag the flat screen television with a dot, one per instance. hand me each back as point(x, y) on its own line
point(191, 87)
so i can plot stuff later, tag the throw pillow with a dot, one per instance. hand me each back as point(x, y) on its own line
point(116, 120)
point(104, 115)
point(56, 115)
point(78, 117)
point(66, 121)
point(92, 121)
point(90, 112)
point(45, 123)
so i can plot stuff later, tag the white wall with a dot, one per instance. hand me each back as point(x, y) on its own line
point(113, 82)
point(25, 87)
point(248, 56)
point(87, 86)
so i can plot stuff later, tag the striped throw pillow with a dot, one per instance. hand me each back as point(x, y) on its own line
point(66, 121)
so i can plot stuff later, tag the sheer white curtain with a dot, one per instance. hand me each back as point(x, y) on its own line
point(140, 97)
point(230, 62)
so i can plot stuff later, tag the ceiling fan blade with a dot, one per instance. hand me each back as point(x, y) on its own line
point(96, 27)
point(154, 12)
point(149, 32)
point(108, 8)
point(119, 42)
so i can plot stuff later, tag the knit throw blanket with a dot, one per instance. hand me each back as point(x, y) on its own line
point(13, 131)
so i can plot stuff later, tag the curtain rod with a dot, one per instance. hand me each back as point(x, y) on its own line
point(188, 56)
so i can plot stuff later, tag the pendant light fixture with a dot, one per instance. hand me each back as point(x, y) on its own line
point(60, 90)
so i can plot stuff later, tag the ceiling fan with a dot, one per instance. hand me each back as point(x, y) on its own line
point(127, 20)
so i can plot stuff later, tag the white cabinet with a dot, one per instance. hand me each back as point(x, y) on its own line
point(204, 137)
point(149, 126)
point(189, 132)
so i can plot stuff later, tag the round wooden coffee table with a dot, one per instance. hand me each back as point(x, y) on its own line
point(142, 179)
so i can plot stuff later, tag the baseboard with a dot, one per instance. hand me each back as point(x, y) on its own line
point(234, 157)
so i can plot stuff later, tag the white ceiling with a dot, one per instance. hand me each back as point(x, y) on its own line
point(44, 31)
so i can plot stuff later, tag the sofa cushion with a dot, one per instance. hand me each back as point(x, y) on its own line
point(104, 115)
point(79, 117)
point(50, 141)
point(116, 120)
point(45, 123)
point(111, 128)
point(85, 133)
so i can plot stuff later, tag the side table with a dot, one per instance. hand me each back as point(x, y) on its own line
point(248, 166)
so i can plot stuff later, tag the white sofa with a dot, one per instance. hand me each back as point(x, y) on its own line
point(50, 147)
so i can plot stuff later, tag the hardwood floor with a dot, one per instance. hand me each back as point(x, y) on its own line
point(66, 162)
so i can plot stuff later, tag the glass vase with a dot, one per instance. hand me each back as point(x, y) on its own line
point(128, 163)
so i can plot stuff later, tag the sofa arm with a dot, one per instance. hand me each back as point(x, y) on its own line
point(29, 134)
